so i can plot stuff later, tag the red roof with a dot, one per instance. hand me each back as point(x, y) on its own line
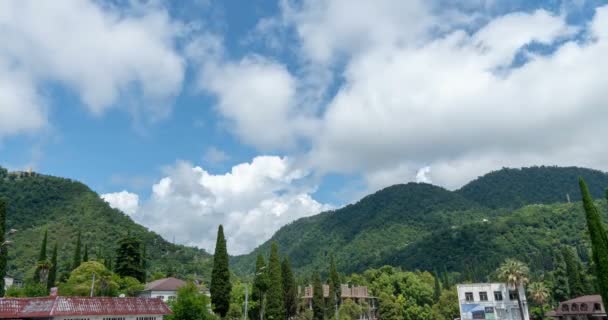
point(79, 306)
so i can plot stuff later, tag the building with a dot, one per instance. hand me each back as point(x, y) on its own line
point(494, 301)
point(83, 308)
point(358, 294)
point(10, 281)
point(166, 289)
point(585, 307)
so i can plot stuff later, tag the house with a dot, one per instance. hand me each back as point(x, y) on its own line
point(358, 294)
point(496, 301)
point(585, 307)
point(10, 281)
point(83, 308)
point(166, 289)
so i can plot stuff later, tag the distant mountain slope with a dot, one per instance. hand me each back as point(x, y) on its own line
point(428, 227)
point(514, 188)
point(65, 207)
point(364, 234)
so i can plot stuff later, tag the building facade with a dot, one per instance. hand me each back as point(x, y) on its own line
point(166, 289)
point(581, 308)
point(83, 308)
point(491, 301)
point(358, 294)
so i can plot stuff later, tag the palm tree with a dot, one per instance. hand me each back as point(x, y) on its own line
point(539, 294)
point(515, 274)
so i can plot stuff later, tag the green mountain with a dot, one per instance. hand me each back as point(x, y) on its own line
point(64, 208)
point(420, 226)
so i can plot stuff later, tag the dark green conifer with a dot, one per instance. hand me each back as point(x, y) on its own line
point(41, 257)
point(334, 289)
point(318, 302)
point(220, 276)
point(53, 269)
point(77, 257)
point(437, 289)
point(573, 272)
point(85, 256)
point(599, 240)
point(3, 249)
point(128, 258)
point(290, 290)
point(260, 287)
point(561, 287)
point(275, 306)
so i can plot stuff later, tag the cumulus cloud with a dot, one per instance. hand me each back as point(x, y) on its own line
point(101, 53)
point(252, 201)
point(124, 201)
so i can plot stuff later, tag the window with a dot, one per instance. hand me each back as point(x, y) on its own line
point(468, 296)
point(597, 307)
point(574, 307)
point(114, 318)
point(483, 296)
point(172, 298)
point(146, 318)
point(584, 307)
point(565, 308)
point(513, 295)
point(498, 295)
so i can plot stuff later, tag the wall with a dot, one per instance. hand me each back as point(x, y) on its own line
point(506, 309)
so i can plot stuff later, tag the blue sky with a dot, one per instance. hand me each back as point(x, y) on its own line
point(255, 113)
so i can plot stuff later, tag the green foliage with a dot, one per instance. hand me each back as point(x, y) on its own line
point(52, 278)
point(64, 207)
point(80, 280)
point(573, 265)
point(539, 294)
point(275, 304)
point(128, 258)
point(220, 276)
point(77, 260)
point(446, 307)
point(3, 248)
point(85, 255)
point(130, 286)
point(389, 308)
point(561, 287)
point(290, 290)
point(334, 287)
point(437, 288)
point(190, 305)
point(41, 257)
point(349, 310)
point(260, 286)
point(318, 303)
point(599, 240)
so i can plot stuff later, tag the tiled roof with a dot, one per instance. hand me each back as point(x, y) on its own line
point(166, 284)
point(79, 306)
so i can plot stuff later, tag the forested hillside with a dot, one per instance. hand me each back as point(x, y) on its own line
point(65, 208)
point(420, 226)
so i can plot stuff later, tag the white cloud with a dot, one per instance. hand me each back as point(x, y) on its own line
point(422, 175)
point(101, 53)
point(214, 155)
point(125, 201)
point(252, 201)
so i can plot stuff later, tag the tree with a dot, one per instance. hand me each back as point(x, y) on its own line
point(275, 306)
point(41, 263)
point(130, 286)
point(77, 258)
point(260, 286)
point(389, 309)
point(447, 307)
point(349, 310)
point(3, 248)
point(290, 290)
point(561, 287)
point(334, 288)
point(599, 240)
point(539, 293)
point(128, 258)
point(318, 305)
point(85, 256)
point(437, 289)
point(220, 276)
point(573, 272)
point(515, 274)
point(79, 283)
point(190, 304)
point(53, 269)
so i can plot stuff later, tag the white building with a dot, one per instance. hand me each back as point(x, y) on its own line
point(10, 281)
point(492, 301)
point(166, 289)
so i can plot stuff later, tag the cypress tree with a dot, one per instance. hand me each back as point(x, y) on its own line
point(599, 241)
point(53, 270)
point(290, 290)
point(3, 248)
point(318, 303)
point(77, 258)
point(275, 306)
point(445, 278)
point(41, 256)
point(437, 289)
point(573, 272)
point(85, 256)
point(561, 287)
point(260, 286)
point(334, 288)
point(220, 276)
point(128, 258)
point(144, 261)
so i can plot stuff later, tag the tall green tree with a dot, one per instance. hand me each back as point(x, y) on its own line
point(334, 288)
point(220, 276)
point(318, 302)
point(260, 287)
point(128, 258)
point(290, 296)
point(190, 304)
point(275, 306)
point(437, 289)
point(85, 256)
point(3, 247)
point(599, 240)
point(539, 293)
point(561, 287)
point(574, 273)
point(515, 274)
point(41, 257)
point(52, 278)
point(77, 260)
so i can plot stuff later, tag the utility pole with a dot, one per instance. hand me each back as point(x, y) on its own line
point(93, 285)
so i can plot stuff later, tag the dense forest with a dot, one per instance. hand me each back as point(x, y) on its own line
point(66, 208)
point(521, 213)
